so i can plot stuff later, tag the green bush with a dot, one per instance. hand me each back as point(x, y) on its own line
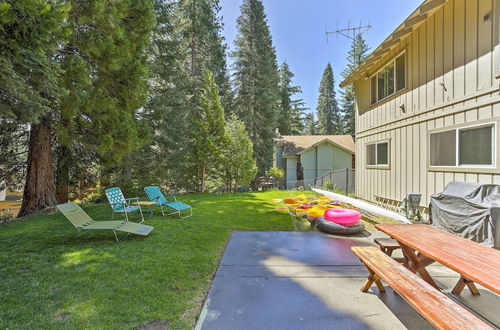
point(328, 185)
point(277, 173)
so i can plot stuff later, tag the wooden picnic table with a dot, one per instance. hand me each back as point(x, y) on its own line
point(423, 244)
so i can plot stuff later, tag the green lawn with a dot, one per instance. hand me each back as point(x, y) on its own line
point(51, 279)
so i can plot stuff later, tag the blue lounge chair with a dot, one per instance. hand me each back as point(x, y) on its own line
point(120, 204)
point(155, 195)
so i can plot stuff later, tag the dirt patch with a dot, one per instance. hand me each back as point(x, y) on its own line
point(175, 287)
point(61, 317)
point(153, 325)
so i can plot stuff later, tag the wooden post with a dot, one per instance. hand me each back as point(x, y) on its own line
point(346, 181)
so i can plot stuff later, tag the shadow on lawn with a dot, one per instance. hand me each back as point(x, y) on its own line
point(100, 282)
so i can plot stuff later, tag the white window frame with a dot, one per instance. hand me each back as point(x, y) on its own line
point(457, 146)
point(376, 143)
point(393, 62)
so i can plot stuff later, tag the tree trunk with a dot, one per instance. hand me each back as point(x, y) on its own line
point(62, 174)
point(39, 190)
point(203, 172)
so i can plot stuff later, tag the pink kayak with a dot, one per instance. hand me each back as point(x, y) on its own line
point(345, 217)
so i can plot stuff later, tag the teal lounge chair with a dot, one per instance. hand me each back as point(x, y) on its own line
point(155, 195)
point(120, 204)
point(82, 222)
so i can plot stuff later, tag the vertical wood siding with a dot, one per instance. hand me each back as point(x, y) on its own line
point(452, 63)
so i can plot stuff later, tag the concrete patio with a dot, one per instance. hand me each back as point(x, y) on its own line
point(310, 280)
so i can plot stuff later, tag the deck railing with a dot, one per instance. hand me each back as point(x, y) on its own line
point(339, 180)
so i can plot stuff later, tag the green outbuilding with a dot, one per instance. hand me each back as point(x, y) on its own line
point(307, 157)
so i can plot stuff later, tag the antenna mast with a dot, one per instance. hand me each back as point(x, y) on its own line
point(350, 32)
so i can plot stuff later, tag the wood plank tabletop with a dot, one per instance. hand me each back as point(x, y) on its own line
point(440, 310)
point(477, 262)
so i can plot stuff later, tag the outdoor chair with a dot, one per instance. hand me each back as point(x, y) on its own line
point(82, 222)
point(120, 204)
point(155, 195)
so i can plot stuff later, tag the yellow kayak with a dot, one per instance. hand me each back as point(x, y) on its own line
point(316, 211)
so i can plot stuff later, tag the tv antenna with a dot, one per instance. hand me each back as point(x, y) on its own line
point(349, 32)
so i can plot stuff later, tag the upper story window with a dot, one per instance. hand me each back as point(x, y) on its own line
point(463, 147)
point(389, 80)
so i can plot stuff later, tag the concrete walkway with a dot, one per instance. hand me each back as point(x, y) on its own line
point(310, 280)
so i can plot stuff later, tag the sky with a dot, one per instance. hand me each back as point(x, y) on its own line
point(298, 29)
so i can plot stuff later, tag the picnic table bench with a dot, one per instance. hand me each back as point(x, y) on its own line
point(441, 311)
point(423, 245)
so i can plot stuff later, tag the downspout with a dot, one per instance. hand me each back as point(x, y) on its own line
point(316, 162)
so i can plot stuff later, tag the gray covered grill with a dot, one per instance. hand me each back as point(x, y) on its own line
point(471, 210)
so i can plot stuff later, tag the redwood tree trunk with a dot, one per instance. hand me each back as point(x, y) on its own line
point(39, 190)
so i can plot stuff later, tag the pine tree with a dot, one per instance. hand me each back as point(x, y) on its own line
point(310, 125)
point(167, 110)
point(297, 119)
point(202, 31)
point(329, 118)
point(256, 80)
point(13, 142)
point(104, 71)
point(107, 81)
point(209, 134)
point(288, 110)
point(201, 28)
point(357, 54)
point(30, 35)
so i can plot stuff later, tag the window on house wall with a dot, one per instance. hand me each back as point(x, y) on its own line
point(373, 88)
point(467, 147)
point(388, 80)
point(377, 154)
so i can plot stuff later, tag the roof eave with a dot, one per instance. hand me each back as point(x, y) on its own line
point(418, 17)
point(329, 141)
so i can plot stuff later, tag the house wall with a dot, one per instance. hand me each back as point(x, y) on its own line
point(278, 160)
point(324, 158)
point(342, 159)
point(291, 172)
point(309, 160)
point(453, 71)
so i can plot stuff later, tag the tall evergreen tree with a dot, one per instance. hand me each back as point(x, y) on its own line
point(298, 119)
point(201, 27)
point(104, 69)
point(310, 125)
point(202, 30)
point(167, 110)
point(329, 117)
point(356, 55)
point(107, 80)
point(31, 33)
point(288, 110)
point(13, 143)
point(256, 80)
point(209, 130)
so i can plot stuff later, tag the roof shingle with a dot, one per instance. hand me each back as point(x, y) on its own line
point(294, 144)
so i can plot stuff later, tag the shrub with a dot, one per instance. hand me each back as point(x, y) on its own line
point(277, 173)
point(328, 185)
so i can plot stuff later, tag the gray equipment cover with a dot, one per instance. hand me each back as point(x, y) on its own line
point(471, 210)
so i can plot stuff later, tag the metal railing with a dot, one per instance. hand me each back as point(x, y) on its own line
point(339, 180)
